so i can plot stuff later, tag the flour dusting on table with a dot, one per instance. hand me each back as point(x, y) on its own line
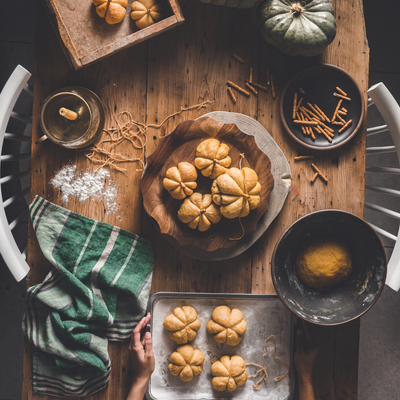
point(87, 185)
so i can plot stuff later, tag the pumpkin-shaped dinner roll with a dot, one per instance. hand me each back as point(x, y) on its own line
point(228, 373)
point(199, 211)
point(113, 11)
point(186, 362)
point(212, 158)
point(146, 12)
point(237, 191)
point(227, 326)
point(182, 325)
point(181, 180)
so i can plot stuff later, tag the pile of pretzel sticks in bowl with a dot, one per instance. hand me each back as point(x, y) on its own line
point(312, 119)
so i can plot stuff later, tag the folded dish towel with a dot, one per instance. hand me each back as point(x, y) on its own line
point(98, 290)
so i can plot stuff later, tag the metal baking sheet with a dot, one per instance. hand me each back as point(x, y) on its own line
point(264, 314)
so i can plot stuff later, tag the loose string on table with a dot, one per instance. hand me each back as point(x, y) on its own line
point(132, 131)
point(257, 385)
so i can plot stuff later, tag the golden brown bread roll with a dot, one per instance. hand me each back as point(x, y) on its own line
point(229, 373)
point(237, 191)
point(199, 211)
point(182, 324)
point(113, 11)
point(186, 362)
point(212, 158)
point(227, 326)
point(181, 180)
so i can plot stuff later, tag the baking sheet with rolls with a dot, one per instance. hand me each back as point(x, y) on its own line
point(265, 315)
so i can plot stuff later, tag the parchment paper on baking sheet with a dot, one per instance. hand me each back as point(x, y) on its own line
point(265, 315)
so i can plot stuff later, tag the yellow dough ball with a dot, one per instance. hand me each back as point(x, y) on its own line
point(324, 263)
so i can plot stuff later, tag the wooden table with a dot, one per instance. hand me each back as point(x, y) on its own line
point(186, 66)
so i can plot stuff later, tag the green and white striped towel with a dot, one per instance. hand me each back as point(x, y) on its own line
point(98, 290)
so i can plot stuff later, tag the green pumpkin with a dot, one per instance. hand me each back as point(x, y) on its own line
point(233, 3)
point(297, 28)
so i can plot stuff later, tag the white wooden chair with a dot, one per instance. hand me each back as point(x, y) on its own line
point(387, 106)
point(15, 172)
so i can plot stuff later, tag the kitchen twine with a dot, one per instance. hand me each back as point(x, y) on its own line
point(132, 131)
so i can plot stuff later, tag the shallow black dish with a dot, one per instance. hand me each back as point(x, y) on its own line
point(319, 84)
point(347, 300)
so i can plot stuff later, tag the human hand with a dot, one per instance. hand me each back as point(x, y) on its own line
point(306, 352)
point(141, 353)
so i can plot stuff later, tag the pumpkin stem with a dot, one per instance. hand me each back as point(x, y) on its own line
point(297, 9)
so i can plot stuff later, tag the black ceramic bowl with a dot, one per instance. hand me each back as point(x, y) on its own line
point(319, 83)
point(347, 300)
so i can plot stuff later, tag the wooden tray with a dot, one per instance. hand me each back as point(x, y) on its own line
point(87, 38)
point(181, 145)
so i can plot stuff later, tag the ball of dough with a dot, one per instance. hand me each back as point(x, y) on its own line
point(324, 263)
point(228, 373)
point(186, 362)
point(227, 326)
point(182, 325)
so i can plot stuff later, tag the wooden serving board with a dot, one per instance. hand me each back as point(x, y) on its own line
point(87, 38)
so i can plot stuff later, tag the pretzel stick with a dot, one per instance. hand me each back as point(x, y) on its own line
point(343, 109)
point(299, 158)
point(302, 90)
point(254, 91)
point(312, 133)
point(237, 87)
point(314, 177)
point(305, 122)
point(251, 74)
point(294, 105)
point(306, 111)
point(337, 123)
point(231, 94)
point(268, 77)
point(326, 135)
point(299, 103)
point(336, 109)
point(323, 114)
point(320, 116)
point(316, 169)
point(345, 125)
point(340, 118)
point(324, 126)
point(240, 59)
point(299, 118)
point(257, 85)
point(272, 87)
point(342, 112)
point(329, 133)
point(341, 91)
point(341, 96)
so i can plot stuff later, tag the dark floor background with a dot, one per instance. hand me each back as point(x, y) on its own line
point(380, 327)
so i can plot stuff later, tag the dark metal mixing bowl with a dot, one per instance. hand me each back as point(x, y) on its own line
point(347, 300)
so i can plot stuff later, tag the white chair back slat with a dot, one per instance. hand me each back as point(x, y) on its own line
point(383, 232)
point(383, 210)
point(373, 151)
point(385, 190)
point(377, 129)
point(14, 157)
point(383, 170)
point(8, 247)
point(17, 196)
point(21, 117)
point(14, 177)
point(16, 137)
point(21, 217)
point(393, 270)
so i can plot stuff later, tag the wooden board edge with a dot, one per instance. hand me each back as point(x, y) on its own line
point(134, 38)
point(176, 10)
point(62, 34)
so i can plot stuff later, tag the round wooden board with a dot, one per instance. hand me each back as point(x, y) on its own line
point(243, 135)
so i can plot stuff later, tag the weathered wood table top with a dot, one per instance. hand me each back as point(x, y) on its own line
point(182, 67)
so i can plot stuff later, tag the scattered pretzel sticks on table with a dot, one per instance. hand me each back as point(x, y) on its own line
point(250, 87)
point(314, 167)
point(312, 118)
